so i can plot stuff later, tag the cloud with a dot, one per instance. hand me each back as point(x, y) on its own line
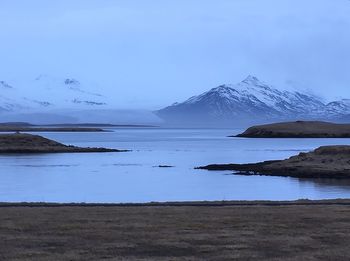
point(157, 52)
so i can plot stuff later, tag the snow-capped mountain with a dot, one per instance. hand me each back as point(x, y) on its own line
point(251, 101)
point(50, 100)
point(47, 92)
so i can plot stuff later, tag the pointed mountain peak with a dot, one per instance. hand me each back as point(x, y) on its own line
point(222, 87)
point(251, 80)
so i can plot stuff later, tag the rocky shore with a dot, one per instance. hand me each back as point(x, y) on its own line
point(324, 162)
point(298, 129)
point(27, 143)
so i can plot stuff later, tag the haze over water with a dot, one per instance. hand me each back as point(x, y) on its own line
point(134, 176)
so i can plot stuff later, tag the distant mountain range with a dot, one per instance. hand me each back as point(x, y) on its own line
point(46, 92)
point(252, 101)
point(51, 100)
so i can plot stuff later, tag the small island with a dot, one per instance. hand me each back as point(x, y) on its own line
point(27, 143)
point(298, 129)
point(324, 162)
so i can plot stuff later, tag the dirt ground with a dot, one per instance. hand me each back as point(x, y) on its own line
point(205, 231)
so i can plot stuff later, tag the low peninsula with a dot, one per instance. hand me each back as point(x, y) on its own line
point(324, 162)
point(27, 127)
point(298, 129)
point(78, 127)
point(27, 143)
point(49, 129)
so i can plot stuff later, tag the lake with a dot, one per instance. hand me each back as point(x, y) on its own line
point(135, 176)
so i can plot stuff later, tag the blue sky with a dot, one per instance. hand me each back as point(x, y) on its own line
point(155, 52)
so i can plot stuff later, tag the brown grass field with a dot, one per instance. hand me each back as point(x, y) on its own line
point(300, 230)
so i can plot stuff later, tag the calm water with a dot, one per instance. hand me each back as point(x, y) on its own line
point(133, 177)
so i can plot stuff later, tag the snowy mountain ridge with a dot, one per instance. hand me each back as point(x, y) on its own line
point(249, 101)
point(255, 100)
point(47, 92)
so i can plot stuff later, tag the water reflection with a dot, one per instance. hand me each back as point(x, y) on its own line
point(132, 177)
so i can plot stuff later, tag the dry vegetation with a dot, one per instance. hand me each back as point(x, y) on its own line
point(237, 232)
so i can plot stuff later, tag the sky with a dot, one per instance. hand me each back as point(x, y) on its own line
point(149, 54)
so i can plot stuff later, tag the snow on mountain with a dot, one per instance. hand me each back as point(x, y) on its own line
point(47, 92)
point(253, 95)
point(341, 107)
point(250, 100)
point(7, 100)
point(49, 100)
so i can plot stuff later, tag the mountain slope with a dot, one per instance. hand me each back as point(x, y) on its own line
point(52, 100)
point(341, 107)
point(47, 92)
point(249, 101)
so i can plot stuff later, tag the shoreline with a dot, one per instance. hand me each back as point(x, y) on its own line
point(323, 162)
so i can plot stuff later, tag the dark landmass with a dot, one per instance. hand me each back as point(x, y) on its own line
point(324, 162)
point(165, 166)
point(27, 143)
point(301, 230)
point(16, 124)
point(298, 129)
point(81, 127)
point(103, 125)
point(48, 129)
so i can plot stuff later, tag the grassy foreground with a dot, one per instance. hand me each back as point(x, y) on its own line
point(177, 231)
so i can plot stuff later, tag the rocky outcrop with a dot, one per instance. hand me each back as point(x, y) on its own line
point(324, 162)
